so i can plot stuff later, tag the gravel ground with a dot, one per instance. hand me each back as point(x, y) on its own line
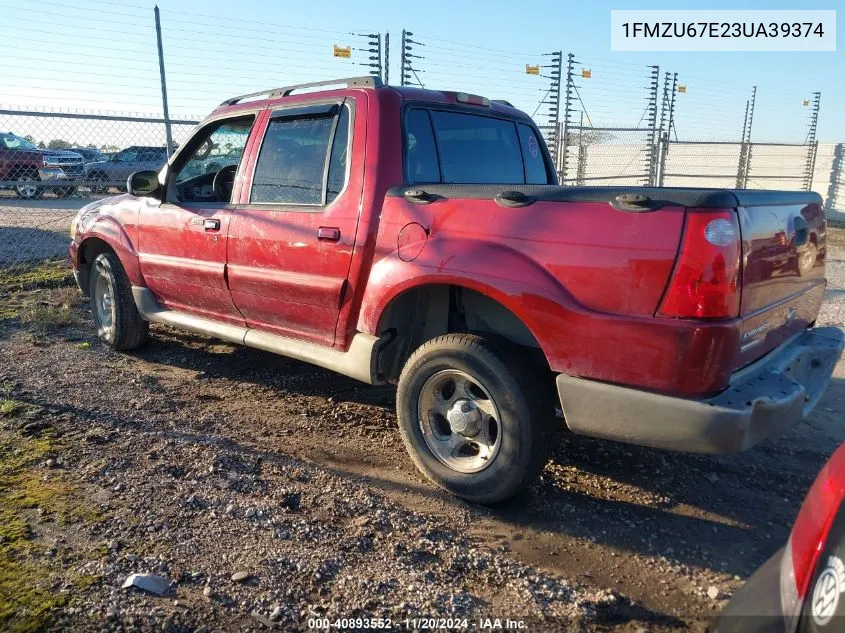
point(268, 492)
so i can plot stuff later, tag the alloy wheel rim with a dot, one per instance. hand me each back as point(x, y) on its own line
point(104, 302)
point(460, 421)
point(26, 191)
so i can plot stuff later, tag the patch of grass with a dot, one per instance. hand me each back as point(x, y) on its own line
point(27, 601)
point(43, 274)
point(43, 311)
point(8, 405)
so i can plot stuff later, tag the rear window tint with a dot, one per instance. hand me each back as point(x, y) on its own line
point(459, 148)
point(476, 149)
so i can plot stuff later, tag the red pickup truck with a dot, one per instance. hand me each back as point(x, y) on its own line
point(421, 237)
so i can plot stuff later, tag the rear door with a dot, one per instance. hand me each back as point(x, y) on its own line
point(182, 243)
point(291, 240)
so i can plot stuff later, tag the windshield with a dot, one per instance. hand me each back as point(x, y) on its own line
point(10, 141)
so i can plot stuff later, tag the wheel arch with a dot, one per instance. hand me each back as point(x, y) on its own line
point(423, 311)
point(107, 236)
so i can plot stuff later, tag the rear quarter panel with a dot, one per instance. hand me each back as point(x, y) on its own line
point(585, 278)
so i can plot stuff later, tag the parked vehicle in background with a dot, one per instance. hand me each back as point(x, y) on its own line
point(421, 237)
point(89, 154)
point(800, 588)
point(114, 171)
point(29, 170)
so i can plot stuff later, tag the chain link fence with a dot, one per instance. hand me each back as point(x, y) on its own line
point(607, 122)
point(53, 163)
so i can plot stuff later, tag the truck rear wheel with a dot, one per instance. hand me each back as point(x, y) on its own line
point(472, 417)
point(119, 324)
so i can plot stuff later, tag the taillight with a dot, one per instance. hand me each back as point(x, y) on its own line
point(809, 534)
point(705, 283)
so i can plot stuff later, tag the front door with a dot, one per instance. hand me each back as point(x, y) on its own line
point(182, 243)
point(291, 240)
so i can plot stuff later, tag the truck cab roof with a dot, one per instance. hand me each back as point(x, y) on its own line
point(337, 87)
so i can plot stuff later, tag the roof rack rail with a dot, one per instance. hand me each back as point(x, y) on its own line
point(501, 102)
point(366, 81)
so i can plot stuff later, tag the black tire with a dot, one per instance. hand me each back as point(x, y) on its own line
point(807, 259)
point(525, 425)
point(126, 330)
point(27, 191)
point(95, 177)
point(64, 192)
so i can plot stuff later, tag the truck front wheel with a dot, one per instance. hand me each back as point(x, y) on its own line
point(472, 416)
point(119, 325)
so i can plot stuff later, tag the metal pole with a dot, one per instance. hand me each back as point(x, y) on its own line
point(749, 148)
point(740, 166)
point(402, 60)
point(167, 129)
point(832, 201)
point(567, 114)
point(387, 58)
point(811, 142)
point(554, 109)
point(651, 177)
point(671, 125)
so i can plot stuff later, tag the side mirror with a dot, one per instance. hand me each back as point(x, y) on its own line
point(144, 184)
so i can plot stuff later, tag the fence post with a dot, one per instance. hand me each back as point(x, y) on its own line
point(832, 200)
point(744, 165)
point(812, 144)
point(167, 130)
point(567, 115)
point(667, 108)
point(652, 126)
point(554, 110)
point(387, 59)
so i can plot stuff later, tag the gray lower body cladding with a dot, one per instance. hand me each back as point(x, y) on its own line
point(772, 395)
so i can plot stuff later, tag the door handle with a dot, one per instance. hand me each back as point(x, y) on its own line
point(212, 225)
point(328, 233)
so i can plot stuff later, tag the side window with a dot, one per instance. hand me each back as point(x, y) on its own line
point(217, 146)
point(421, 161)
point(292, 161)
point(532, 157)
point(129, 155)
point(339, 157)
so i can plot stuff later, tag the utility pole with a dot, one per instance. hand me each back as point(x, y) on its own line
point(167, 131)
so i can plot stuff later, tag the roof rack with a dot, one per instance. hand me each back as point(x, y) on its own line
point(367, 81)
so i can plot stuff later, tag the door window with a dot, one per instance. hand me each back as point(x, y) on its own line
point(292, 167)
point(215, 147)
point(205, 170)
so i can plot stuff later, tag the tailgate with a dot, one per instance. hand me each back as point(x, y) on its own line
point(783, 251)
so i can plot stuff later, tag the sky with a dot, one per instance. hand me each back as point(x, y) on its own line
point(101, 56)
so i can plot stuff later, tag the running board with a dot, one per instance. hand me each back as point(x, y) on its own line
point(357, 362)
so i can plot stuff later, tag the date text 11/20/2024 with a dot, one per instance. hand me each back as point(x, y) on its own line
point(418, 624)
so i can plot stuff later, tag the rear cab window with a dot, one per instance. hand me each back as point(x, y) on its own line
point(457, 147)
point(303, 157)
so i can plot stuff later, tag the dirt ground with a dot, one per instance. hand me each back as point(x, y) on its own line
point(197, 460)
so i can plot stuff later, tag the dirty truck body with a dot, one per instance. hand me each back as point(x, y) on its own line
point(421, 237)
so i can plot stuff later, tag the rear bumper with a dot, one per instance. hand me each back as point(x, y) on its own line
point(768, 397)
